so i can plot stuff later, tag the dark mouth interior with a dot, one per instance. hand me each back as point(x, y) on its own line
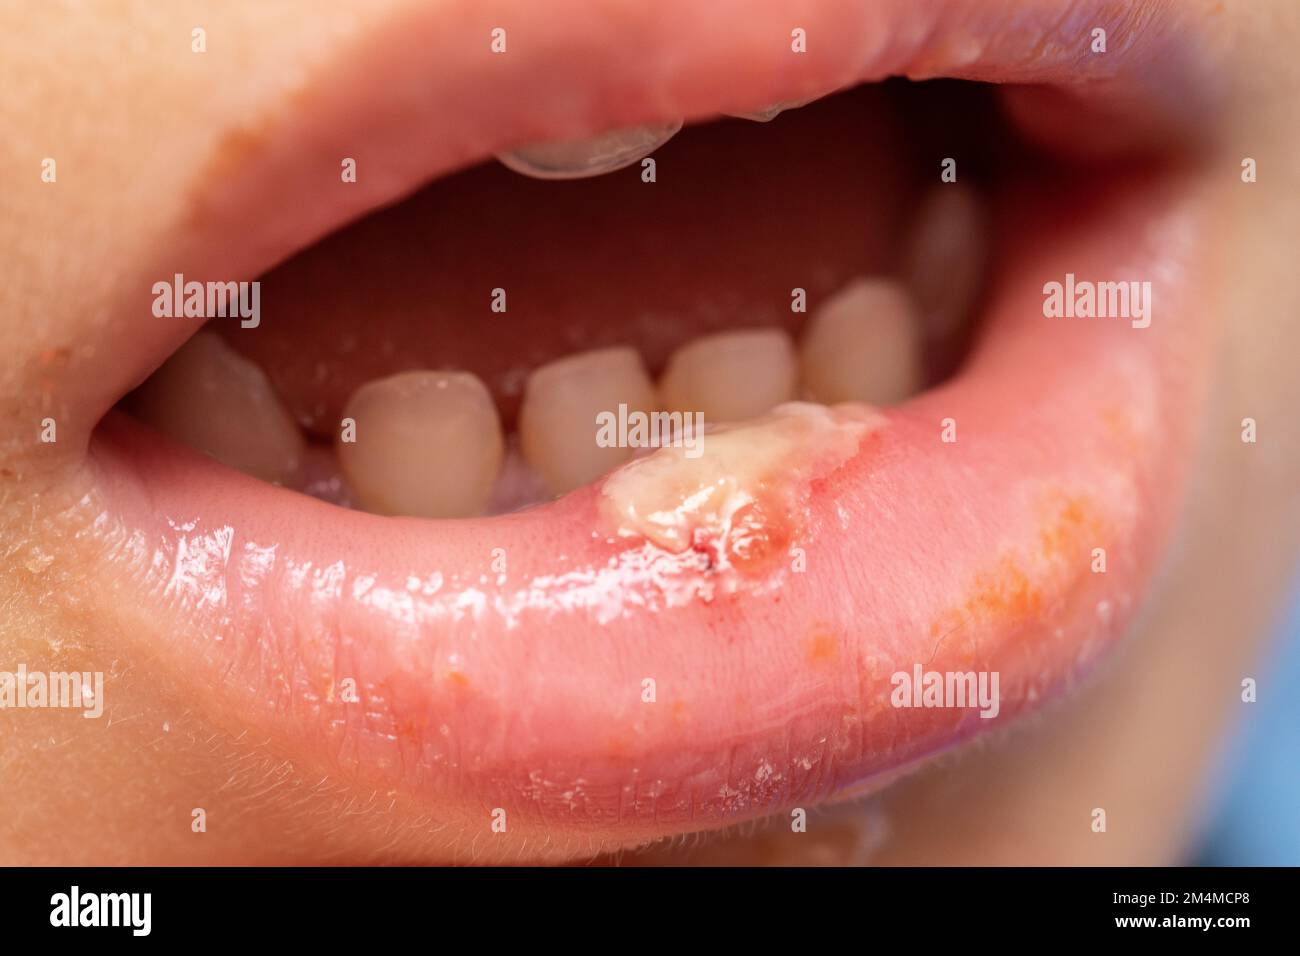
point(740, 214)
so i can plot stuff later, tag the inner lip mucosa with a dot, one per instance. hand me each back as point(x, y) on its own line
point(448, 356)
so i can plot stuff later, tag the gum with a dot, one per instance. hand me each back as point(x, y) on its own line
point(739, 502)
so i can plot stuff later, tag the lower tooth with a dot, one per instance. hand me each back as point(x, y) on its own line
point(863, 345)
point(576, 159)
point(427, 444)
point(731, 376)
point(557, 420)
point(213, 399)
point(945, 257)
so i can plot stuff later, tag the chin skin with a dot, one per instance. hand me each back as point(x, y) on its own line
point(124, 788)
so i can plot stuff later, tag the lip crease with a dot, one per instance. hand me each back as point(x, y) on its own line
point(485, 684)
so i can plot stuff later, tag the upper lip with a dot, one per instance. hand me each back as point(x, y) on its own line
point(487, 687)
point(412, 97)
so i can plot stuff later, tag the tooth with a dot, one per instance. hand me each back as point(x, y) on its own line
point(863, 345)
point(575, 159)
point(769, 113)
point(211, 398)
point(428, 444)
point(761, 116)
point(731, 376)
point(557, 420)
point(945, 257)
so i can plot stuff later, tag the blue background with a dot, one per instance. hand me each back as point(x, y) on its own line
point(1254, 800)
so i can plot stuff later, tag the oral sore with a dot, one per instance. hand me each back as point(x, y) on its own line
point(735, 495)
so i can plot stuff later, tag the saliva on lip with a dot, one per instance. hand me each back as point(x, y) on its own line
point(740, 501)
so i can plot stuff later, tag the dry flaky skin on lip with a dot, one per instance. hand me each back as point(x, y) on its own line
point(735, 499)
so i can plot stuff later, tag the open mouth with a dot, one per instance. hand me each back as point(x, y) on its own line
point(456, 537)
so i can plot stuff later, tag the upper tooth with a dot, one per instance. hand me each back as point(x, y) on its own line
point(863, 345)
point(575, 159)
point(557, 420)
point(769, 113)
point(427, 444)
point(212, 398)
point(731, 375)
point(945, 257)
point(765, 115)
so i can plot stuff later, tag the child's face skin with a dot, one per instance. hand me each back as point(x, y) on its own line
point(134, 118)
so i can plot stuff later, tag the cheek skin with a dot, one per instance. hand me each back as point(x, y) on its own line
point(122, 789)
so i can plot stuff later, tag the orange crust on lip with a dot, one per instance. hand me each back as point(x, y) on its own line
point(1015, 589)
point(823, 647)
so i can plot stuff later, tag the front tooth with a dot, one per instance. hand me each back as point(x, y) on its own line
point(557, 419)
point(769, 113)
point(945, 257)
point(863, 345)
point(213, 399)
point(576, 159)
point(427, 444)
point(761, 116)
point(731, 376)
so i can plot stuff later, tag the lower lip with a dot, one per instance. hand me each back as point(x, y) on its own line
point(503, 662)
